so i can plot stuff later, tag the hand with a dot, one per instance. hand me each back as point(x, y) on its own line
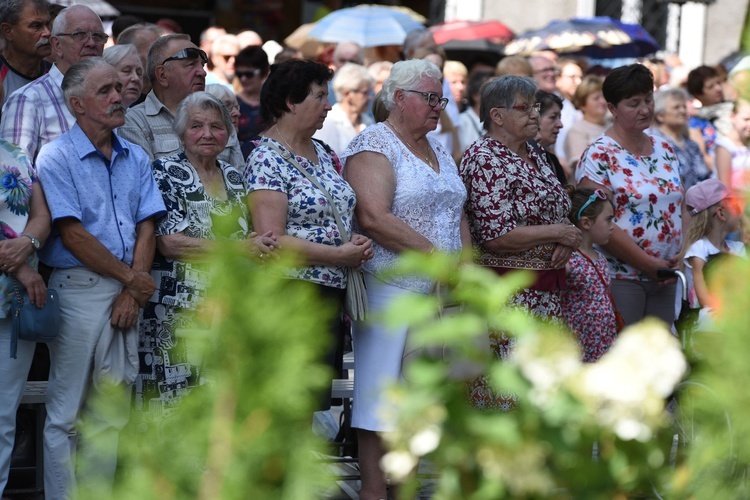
point(561, 255)
point(655, 264)
point(354, 255)
point(33, 283)
point(569, 235)
point(124, 311)
point(14, 252)
point(141, 287)
point(263, 246)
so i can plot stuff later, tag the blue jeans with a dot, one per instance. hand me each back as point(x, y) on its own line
point(13, 374)
point(86, 300)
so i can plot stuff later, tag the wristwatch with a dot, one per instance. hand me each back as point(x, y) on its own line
point(34, 242)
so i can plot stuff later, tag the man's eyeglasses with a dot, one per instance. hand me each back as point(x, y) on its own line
point(432, 99)
point(188, 53)
point(598, 193)
point(526, 108)
point(83, 36)
point(248, 74)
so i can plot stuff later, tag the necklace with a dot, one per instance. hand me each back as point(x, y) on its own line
point(425, 158)
point(286, 143)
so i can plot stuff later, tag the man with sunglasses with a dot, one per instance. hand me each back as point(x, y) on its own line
point(175, 68)
point(36, 114)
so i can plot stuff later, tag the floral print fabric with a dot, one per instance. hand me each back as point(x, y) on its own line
point(16, 179)
point(309, 215)
point(647, 194)
point(586, 306)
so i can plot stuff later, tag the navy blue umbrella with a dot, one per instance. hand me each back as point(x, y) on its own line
point(596, 37)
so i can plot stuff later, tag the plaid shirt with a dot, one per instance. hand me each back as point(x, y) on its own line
point(36, 114)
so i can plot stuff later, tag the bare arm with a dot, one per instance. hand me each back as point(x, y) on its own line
point(127, 305)
point(371, 176)
point(697, 136)
point(724, 166)
point(14, 252)
point(526, 237)
point(185, 248)
point(699, 283)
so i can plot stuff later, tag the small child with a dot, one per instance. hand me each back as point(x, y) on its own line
point(587, 304)
point(715, 213)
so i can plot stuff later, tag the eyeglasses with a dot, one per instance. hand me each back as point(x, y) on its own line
point(227, 57)
point(432, 99)
point(247, 74)
point(526, 108)
point(598, 193)
point(188, 53)
point(548, 69)
point(83, 36)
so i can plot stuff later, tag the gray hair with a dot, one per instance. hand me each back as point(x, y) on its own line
point(502, 92)
point(157, 53)
point(406, 75)
point(60, 24)
point(349, 77)
point(220, 91)
point(129, 34)
point(74, 81)
point(203, 101)
point(661, 97)
point(116, 53)
point(10, 10)
point(415, 39)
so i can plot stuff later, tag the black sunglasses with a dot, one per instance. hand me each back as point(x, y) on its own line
point(248, 74)
point(189, 53)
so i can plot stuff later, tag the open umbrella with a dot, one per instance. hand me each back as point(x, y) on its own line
point(366, 25)
point(493, 31)
point(597, 37)
point(468, 51)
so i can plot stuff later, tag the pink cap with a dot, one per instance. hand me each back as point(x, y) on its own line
point(705, 194)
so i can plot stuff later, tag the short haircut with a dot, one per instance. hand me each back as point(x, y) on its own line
point(253, 56)
point(114, 54)
point(60, 24)
point(157, 53)
point(204, 101)
point(407, 75)
point(514, 65)
point(74, 81)
point(627, 81)
point(547, 100)
point(123, 22)
point(415, 39)
point(349, 77)
point(477, 79)
point(10, 10)
point(502, 92)
point(290, 80)
point(590, 84)
point(661, 97)
point(129, 34)
point(455, 67)
point(697, 79)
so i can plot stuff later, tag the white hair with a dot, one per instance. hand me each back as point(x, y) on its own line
point(406, 75)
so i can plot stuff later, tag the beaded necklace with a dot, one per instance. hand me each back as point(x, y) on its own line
point(425, 158)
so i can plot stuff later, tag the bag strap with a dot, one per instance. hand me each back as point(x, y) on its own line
point(606, 288)
point(290, 157)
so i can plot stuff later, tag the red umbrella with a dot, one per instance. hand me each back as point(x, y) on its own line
point(494, 31)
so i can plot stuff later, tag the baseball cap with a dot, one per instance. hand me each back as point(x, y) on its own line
point(705, 194)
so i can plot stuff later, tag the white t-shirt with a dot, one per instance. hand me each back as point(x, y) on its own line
point(703, 249)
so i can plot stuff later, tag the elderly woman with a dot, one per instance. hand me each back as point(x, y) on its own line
point(348, 117)
point(410, 197)
point(25, 222)
point(250, 71)
point(206, 204)
point(517, 209)
point(283, 200)
point(550, 123)
point(228, 99)
point(127, 62)
point(641, 175)
point(589, 100)
point(671, 125)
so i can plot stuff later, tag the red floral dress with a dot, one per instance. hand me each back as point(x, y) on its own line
point(587, 308)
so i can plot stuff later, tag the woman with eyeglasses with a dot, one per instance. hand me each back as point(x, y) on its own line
point(409, 197)
point(250, 71)
point(517, 211)
point(641, 174)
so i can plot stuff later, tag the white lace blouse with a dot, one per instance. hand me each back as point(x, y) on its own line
point(428, 202)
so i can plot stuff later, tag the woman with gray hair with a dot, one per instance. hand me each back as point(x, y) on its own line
point(671, 124)
point(409, 197)
point(205, 200)
point(517, 210)
point(127, 62)
point(348, 117)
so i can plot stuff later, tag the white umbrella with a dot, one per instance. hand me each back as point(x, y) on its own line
point(102, 8)
point(366, 25)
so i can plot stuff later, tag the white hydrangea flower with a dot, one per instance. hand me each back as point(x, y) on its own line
point(398, 464)
point(425, 441)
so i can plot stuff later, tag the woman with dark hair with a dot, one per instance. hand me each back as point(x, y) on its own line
point(550, 123)
point(641, 174)
point(469, 126)
point(250, 70)
point(290, 179)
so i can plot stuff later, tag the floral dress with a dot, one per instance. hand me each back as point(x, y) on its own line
point(169, 368)
point(504, 192)
point(647, 194)
point(587, 308)
point(693, 167)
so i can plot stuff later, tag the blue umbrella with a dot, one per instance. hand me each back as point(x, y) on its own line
point(596, 37)
point(366, 25)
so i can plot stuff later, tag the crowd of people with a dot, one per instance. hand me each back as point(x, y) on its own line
point(123, 167)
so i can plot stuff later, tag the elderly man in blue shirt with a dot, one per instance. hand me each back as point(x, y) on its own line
point(103, 201)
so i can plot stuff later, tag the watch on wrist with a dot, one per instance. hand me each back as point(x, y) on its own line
point(34, 242)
